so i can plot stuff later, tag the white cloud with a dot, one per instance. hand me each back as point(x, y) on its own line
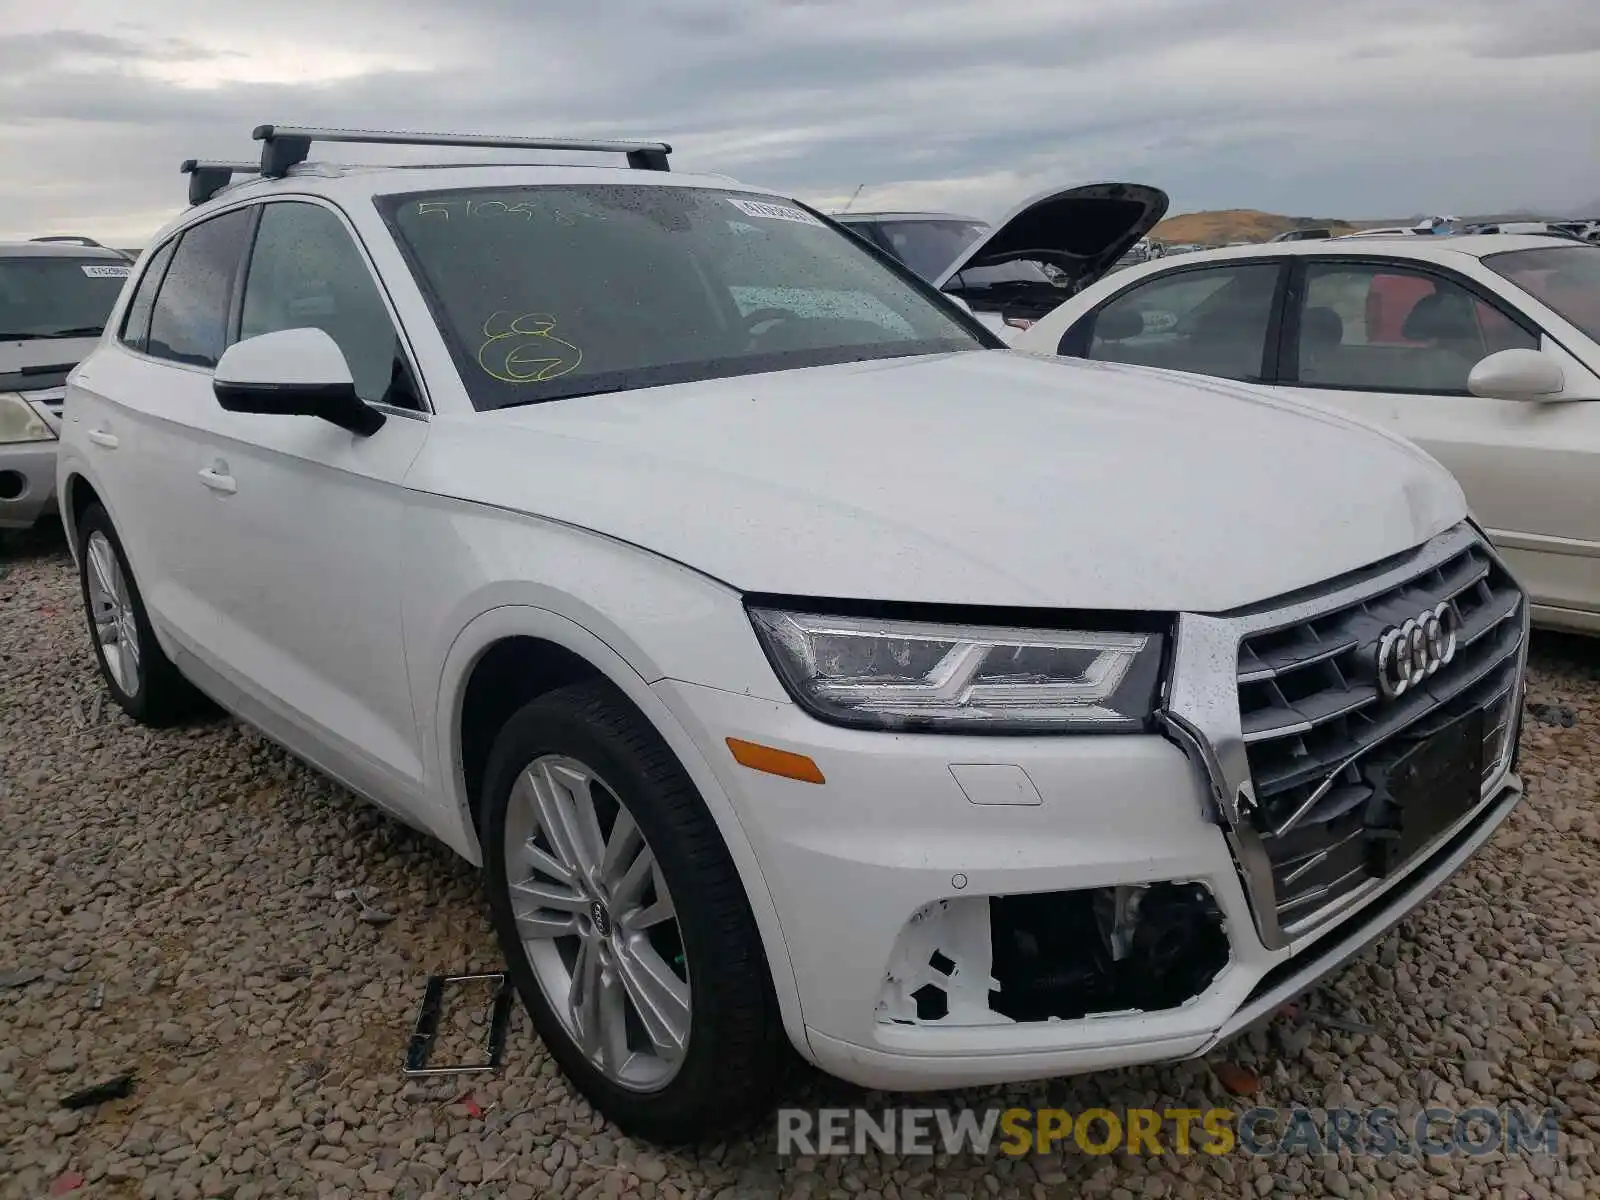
point(1361, 109)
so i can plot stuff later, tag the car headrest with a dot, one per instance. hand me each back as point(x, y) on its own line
point(1443, 316)
point(1321, 328)
point(1117, 324)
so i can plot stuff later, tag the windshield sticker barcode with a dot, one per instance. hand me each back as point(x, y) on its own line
point(775, 212)
point(106, 272)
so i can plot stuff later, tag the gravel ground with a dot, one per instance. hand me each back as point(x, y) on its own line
point(179, 891)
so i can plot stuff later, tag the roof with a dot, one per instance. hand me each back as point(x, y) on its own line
point(57, 250)
point(847, 218)
point(1426, 247)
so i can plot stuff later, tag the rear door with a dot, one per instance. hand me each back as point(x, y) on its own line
point(1394, 341)
point(136, 402)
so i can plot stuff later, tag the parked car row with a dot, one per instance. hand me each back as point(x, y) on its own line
point(808, 671)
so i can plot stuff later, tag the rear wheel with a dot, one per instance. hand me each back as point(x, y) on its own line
point(623, 922)
point(139, 675)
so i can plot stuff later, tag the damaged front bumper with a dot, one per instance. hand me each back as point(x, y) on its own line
point(901, 871)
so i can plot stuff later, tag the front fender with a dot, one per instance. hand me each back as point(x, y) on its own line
point(523, 620)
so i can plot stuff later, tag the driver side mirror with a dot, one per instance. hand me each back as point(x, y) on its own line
point(1517, 375)
point(293, 372)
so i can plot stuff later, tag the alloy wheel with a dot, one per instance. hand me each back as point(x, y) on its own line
point(116, 629)
point(597, 923)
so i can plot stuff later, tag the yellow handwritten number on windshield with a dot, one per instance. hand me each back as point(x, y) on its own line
point(525, 349)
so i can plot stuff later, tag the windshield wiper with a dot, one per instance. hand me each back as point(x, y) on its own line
point(75, 332)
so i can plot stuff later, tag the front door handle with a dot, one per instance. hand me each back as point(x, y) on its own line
point(217, 481)
point(102, 437)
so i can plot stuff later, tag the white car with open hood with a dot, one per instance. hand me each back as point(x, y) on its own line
point(803, 667)
point(1040, 253)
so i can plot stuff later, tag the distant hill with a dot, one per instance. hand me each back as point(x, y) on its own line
point(1240, 225)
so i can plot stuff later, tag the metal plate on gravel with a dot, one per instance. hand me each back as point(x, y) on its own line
point(426, 1028)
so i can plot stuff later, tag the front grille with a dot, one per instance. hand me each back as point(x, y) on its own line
point(1310, 708)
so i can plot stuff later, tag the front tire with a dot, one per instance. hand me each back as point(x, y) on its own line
point(140, 677)
point(623, 922)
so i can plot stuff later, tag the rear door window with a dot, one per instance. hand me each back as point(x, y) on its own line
point(189, 323)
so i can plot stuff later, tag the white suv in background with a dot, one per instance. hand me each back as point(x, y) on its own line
point(55, 294)
point(803, 667)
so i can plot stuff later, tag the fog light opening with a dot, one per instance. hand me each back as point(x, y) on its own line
point(12, 485)
point(1066, 955)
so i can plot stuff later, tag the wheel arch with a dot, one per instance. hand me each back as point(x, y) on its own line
point(77, 493)
point(520, 636)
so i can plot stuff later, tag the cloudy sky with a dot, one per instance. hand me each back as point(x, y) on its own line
point(1347, 108)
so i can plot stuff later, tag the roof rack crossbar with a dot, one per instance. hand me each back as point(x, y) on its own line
point(75, 238)
point(207, 177)
point(283, 146)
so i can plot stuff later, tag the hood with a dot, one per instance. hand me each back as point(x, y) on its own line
point(39, 363)
point(981, 478)
point(1078, 232)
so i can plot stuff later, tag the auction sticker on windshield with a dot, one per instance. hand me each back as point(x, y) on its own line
point(106, 272)
point(776, 212)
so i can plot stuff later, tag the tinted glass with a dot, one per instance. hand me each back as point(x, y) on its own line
point(551, 292)
point(1211, 321)
point(190, 321)
point(52, 297)
point(306, 272)
point(1387, 328)
point(136, 323)
point(1565, 278)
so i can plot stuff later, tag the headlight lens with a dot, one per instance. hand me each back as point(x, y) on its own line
point(911, 675)
point(20, 423)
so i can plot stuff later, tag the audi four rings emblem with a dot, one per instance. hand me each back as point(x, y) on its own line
point(1409, 653)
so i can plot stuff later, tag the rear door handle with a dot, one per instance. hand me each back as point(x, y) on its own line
point(101, 437)
point(217, 481)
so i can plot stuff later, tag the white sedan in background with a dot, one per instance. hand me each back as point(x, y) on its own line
point(1485, 350)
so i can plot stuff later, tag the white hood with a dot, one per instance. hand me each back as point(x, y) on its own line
point(40, 362)
point(983, 478)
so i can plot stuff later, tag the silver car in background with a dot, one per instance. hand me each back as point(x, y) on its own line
point(55, 295)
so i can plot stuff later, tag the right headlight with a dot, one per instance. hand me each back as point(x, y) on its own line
point(917, 675)
point(19, 422)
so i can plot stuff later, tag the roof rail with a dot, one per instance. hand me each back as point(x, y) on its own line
point(207, 177)
point(282, 146)
point(74, 238)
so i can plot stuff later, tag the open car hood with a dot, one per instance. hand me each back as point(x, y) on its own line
point(1075, 233)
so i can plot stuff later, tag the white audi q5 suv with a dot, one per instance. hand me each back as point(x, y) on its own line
point(804, 668)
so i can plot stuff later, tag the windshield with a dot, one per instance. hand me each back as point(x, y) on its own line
point(1565, 278)
point(928, 247)
point(550, 292)
point(51, 297)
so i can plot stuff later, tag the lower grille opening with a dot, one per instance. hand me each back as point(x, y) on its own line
point(1374, 917)
point(1055, 955)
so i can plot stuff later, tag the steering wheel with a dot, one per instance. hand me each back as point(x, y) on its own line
point(762, 315)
